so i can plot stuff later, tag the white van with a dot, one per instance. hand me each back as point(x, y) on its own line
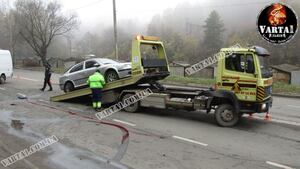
point(6, 66)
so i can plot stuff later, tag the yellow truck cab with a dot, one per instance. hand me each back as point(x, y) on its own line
point(244, 71)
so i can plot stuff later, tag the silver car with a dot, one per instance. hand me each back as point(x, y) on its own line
point(76, 76)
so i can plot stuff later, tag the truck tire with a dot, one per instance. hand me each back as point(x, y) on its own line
point(226, 116)
point(2, 79)
point(133, 108)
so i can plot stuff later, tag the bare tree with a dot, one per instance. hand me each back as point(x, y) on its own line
point(40, 22)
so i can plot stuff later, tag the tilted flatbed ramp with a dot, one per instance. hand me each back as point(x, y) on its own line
point(87, 91)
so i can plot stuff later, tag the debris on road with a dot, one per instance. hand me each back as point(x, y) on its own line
point(17, 124)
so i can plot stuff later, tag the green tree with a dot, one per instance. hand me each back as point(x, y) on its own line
point(213, 38)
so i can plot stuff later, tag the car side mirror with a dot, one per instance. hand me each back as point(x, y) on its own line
point(96, 65)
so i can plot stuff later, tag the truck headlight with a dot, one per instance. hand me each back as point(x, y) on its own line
point(263, 106)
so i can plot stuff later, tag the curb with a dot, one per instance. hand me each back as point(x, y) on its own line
point(28, 68)
point(286, 95)
point(206, 87)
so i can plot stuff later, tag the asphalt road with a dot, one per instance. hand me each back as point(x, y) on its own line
point(158, 139)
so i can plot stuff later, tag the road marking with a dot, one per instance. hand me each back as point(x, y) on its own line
point(293, 106)
point(124, 122)
point(279, 121)
point(2, 88)
point(278, 165)
point(189, 140)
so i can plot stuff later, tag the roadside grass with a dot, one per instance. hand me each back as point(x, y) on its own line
point(55, 70)
point(278, 87)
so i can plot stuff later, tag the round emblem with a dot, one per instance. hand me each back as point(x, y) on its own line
point(277, 23)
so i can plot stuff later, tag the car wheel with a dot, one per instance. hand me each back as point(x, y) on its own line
point(68, 87)
point(111, 76)
point(2, 79)
point(134, 107)
point(226, 116)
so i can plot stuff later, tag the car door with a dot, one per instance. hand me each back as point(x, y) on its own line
point(90, 68)
point(76, 74)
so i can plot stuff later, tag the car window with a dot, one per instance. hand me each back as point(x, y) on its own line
point(77, 68)
point(90, 64)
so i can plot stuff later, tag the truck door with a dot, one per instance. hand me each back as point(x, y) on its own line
point(239, 75)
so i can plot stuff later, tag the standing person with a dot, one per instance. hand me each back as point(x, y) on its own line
point(47, 79)
point(96, 83)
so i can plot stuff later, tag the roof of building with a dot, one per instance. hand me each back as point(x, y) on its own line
point(286, 67)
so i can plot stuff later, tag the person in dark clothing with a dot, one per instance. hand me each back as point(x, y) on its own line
point(47, 79)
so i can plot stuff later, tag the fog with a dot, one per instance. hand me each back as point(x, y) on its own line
point(97, 14)
point(179, 23)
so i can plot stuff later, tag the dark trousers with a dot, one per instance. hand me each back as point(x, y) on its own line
point(97, 96)
point(47, 81)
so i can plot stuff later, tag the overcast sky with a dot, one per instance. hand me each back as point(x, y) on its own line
point(99, 11)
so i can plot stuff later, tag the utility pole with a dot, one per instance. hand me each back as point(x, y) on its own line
point(115, 29)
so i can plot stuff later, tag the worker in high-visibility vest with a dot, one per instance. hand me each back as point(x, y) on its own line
point(96, 83)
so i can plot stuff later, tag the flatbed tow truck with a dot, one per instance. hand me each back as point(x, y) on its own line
point(243, 84)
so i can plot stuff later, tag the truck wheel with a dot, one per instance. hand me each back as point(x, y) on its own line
point(133, 107)
point(2, 79)
point(68, 87)
point(226, 116)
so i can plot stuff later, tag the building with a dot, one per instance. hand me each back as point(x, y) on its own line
point(286, 73)
point(177, 68)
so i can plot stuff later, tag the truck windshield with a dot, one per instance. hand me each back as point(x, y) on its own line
point(264, 67)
